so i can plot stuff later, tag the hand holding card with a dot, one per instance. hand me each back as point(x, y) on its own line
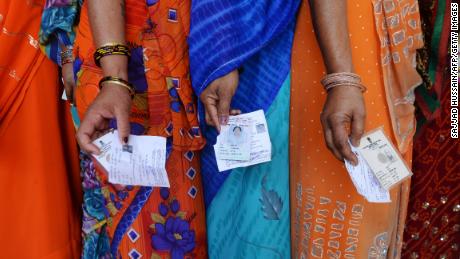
point(140, 162)
point(243, 142)
point(379, 168)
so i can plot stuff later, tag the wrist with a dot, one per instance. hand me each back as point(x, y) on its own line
point(342, 79)
point(119, 82)
point(115, 66)
point(116, 91)
point(340, 68)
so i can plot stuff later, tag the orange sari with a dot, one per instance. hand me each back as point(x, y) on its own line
point(39, 179)
point(329, 218)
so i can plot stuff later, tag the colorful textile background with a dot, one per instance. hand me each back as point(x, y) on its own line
point(432, 59)
point(247, 208)
point(40, 191)
point(57, 29)
point(433, 222)
point(135, 221)
point(329, 218)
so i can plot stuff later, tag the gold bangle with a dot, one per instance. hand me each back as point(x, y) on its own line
point(110, 49)
point(357, 85)
point(118, 81)
point(342, 79)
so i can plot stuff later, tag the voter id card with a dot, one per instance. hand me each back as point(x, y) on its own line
point(383, 158)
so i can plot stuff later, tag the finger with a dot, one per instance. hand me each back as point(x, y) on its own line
point(224, 108)
point(340, 136)
point(234, 112)
point(357, 129)
point(330, 144)
point(84, 135)
point(103, 126)
point(207, 118)
point(328, 138)
point(123, 126)
point(211, 109)
point(86, 145)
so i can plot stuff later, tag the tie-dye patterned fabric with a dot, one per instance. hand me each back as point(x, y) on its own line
point(398, 26)
point(57, 26)
point(247, 208)
point(131, 221)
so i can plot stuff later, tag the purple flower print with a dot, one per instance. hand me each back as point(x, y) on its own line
point(90, 180)
point(164, 193)
point(163, 209)
point(174, 206)
point(175, 237)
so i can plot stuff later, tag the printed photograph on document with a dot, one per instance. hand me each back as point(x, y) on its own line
point(235, 143)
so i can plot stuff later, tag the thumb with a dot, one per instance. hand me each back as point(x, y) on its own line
point(223, 108)
point(123, 126)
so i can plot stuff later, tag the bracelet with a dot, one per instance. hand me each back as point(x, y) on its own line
point(120, 82)
point(110, 49)
point(342, 79)
point(360, 86)
point(67, 56)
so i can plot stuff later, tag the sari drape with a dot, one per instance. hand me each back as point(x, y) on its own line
point(135, 221)
point(255, 36)
point(39, 180)
point(329, 218)
point(17, 73)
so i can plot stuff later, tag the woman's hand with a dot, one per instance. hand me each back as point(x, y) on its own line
point(113, 101)
point(217, 98)
point(343, 111)
point(69, 81)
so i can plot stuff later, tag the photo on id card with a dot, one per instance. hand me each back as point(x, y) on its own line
point(236, 142)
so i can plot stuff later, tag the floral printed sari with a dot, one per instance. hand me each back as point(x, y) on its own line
point(132, 221)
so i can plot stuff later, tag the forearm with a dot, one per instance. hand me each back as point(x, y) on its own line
point(107, 19)
point(331, 28)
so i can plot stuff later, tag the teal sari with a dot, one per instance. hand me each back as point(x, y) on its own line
point(247, 208)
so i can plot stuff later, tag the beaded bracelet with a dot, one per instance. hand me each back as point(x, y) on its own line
point(67, 56)
point(110, 49)
point(342, 79)
point(120, 82)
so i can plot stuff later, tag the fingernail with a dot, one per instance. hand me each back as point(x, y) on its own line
point(223, 120)
point(125, 140)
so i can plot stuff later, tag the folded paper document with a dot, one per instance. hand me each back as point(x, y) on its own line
point(140, 162)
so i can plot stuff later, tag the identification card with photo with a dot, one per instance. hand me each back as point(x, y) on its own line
point(234, 141)
point(383, 158)
point(259, 144)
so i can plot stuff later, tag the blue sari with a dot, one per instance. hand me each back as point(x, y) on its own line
point(247, 208)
